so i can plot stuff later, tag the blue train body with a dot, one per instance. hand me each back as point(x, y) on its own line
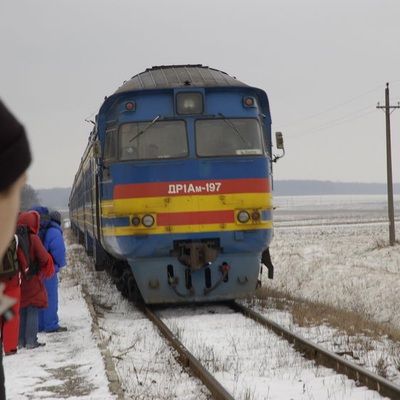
point(173, 193)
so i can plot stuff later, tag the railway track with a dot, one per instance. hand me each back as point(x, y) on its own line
point(327, 358)
point(189, 360)
point(306, 348)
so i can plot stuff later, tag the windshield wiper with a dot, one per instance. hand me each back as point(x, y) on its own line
point(145, 128)
point(232, 125)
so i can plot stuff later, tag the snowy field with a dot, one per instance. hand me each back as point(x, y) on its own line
point(335, 249)
point(335, 252)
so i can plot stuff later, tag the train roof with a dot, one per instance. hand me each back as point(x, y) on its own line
point(172, 76)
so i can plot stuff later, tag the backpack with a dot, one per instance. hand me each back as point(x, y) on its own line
point(9, 265)
point(24, 243)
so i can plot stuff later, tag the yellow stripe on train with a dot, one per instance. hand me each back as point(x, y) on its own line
point(125, 207)
point(129, 230)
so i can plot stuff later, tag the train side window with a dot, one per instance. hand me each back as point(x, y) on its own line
point(110, 148)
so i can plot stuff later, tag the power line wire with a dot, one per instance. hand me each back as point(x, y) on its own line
point(335, 122)
point(339, 105)
point(331, 108)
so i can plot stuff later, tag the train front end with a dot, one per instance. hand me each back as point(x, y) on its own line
point(185, 187)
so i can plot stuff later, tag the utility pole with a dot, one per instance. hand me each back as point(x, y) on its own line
point(387, 108)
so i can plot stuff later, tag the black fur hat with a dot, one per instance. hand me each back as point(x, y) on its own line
point(56, 217)
point(15, 155)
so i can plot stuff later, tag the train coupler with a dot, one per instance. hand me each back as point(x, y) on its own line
point(196, 254)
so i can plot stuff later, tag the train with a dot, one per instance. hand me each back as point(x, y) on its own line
point(173, 194)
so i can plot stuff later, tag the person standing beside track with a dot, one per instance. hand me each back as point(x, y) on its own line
point(54, 243)
point(33, 291)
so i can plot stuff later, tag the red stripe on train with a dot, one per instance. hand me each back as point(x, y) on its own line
point(188, 188)
point(195, 218)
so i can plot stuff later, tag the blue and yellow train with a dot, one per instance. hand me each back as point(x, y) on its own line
point(173, 192)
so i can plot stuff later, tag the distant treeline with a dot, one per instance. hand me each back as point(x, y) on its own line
point(308, 187)
point(58, 197)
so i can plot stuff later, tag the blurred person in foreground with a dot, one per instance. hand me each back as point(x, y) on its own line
point(10, 278)
point(15, 158)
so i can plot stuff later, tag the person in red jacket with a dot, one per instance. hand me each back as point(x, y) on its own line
point(33, 292)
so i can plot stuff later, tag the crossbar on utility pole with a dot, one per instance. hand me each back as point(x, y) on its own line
point(387, 108)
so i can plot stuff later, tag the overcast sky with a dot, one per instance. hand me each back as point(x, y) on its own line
point(323, 63)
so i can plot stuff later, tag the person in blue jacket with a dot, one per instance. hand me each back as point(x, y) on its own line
point(52, 237)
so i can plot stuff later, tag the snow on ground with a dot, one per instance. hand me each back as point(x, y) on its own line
point(70, 366)
point(145, 364)
point(350, 264)
point(254, 363)
point(341, 264)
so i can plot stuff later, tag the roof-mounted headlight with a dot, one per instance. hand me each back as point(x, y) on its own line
point(189, 103)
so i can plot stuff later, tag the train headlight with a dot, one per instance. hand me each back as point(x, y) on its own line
point(243, 217)
point(148, 220)
point(130, 106)
point(255, 216)
point(189, 103)
point(249, 102)
point(135, 221)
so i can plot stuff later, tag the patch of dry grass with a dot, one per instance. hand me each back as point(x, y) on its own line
point(308, 313)
point(370, 343)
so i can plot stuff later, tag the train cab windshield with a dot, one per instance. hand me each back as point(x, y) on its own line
point(148, 140)
point(154, 140)
point(228, 137)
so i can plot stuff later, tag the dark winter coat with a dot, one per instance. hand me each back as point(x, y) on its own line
point(33, 292)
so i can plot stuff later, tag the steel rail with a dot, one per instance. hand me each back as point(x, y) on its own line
point(188, 360)
point(325, 357)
